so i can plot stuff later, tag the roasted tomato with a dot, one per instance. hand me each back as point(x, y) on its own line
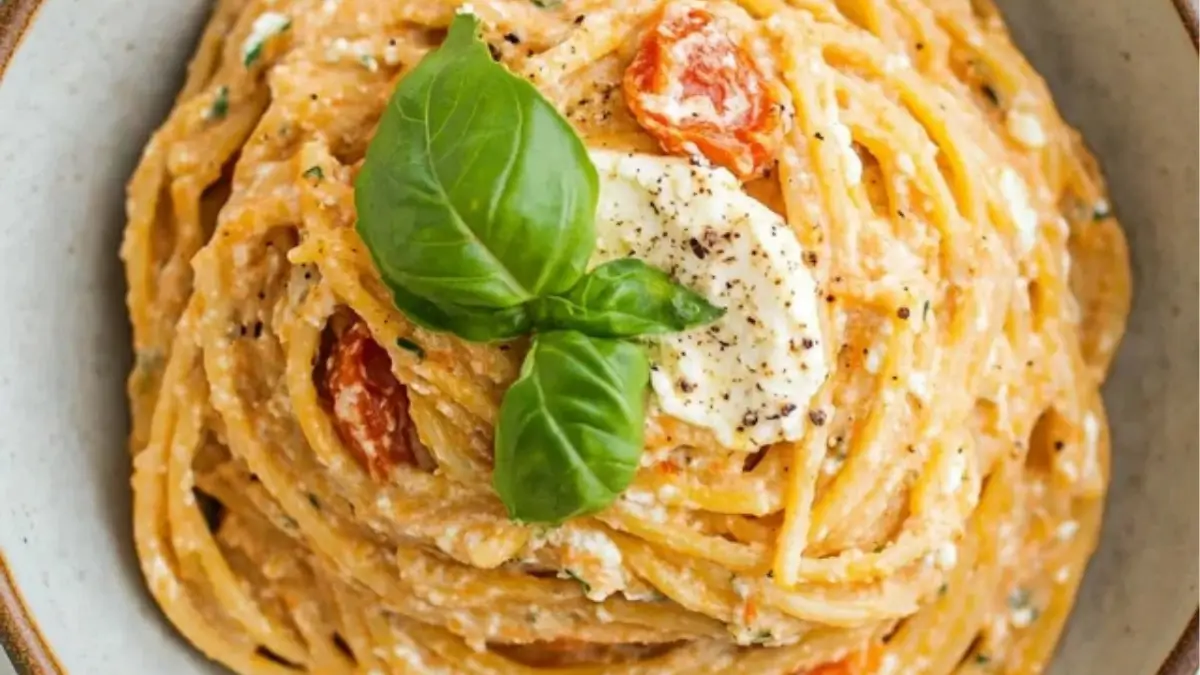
point(862, 663)
point(697, 91)
point(370, 406)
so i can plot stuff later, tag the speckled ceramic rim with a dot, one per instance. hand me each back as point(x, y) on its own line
point(19, 634)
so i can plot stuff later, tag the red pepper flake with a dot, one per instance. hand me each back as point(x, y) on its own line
point(750, 612)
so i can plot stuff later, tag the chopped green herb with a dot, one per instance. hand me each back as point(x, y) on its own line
point(942, 589)
point(315, 172)
point(547, 4)
point(265, 27)
point(982, 659)
point(925, 311)
point(409, 345)
point(312, 499)
point(253, 55)
point(761, 637)
point(587, 587)
point(369, 62)
point(220, 105)
point(1018, 599)
point(1101, 210)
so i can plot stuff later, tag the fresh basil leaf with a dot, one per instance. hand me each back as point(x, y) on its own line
point(625, 298)
point(570, 430)
point(475, 191)
point(470, 323)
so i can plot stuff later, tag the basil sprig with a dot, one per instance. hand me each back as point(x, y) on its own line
point(477, 202)
point(624, 298)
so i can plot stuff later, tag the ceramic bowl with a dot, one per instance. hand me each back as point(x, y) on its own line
point(87, 80)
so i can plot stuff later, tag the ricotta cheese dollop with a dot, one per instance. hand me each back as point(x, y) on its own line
point(749, 376)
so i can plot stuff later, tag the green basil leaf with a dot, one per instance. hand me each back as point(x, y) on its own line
point(625, 298)
point(470, 323)
point(570, 431)
point(475, 191)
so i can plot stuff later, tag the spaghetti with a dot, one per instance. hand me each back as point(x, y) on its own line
point(312, 471)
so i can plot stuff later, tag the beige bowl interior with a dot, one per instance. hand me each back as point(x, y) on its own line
point(93, 78)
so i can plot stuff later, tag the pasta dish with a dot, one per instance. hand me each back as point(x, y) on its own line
point(646, 337)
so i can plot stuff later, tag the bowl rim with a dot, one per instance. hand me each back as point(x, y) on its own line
point(26, 645)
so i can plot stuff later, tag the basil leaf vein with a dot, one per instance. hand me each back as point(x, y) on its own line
point(475, 192)
point(625, 298)
point(475, 324)
point(570, 431)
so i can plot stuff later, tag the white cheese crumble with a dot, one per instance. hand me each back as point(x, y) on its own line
point(750, 375)
point(644, 505)
point(1021, 618)
point(1091, 432)
point(1025, 128)
point(593, 558)
point(265, 27)
point(667, 493)
point(850, 159)
point(895, 62)
point(1066, 530)
point(598, 545)
point(832, 465)
point(946, 556)
point(918, 384)
point(955, 471)
point(873, 361)
point(1024, 216)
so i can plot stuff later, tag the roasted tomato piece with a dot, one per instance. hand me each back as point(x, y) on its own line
point(370, 406)
point(697, 91)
